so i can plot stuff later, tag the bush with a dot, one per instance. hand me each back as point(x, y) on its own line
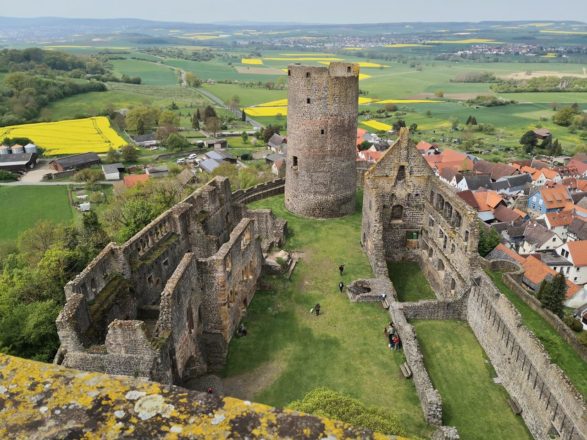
point(582, 338)
point(327, 403)
point(573, 323)
point(7, 176)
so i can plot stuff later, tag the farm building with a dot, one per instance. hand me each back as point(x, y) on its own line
point(112, 171)
point(277, 143)
point(221, 156)
point(158, 171)
point(146, 140)
point(186, 177)
point(209, 165)
point(18, 163)
point(75, 162)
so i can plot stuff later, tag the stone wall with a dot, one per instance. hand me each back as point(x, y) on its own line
point(194, 267)
point(259, 192)
point(429, 396)
point(321, 138)
point(547, 398)
point(435, 310)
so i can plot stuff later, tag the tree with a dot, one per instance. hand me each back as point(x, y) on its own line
point(552, 294)
point(173, 106)
point(399, 124)
point(212, 124)
point(245, 137)
point(488, 239)
point(529, 140)
point(234, 102)
point(269, 131)
point(176, 141)
point(192, 80)
point(365, 145)
point(168, 117)
point(390, 107)
point(195, 122)
point(209, 112)
point(129, 153)
point(142, 119)
point(556, 149)
point(34, 242)
point(439, 93)
point(413, 127)
point(565, 115)
point(89, 176)
point(198, 117)
point(471, 120)
point(112, 156)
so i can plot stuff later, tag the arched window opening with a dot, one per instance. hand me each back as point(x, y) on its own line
point(397, 212)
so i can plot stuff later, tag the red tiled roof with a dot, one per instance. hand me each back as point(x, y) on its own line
point(578, 251)
point(505, 214)
point(132, 180)
point(360, 133)
point(423, 146)
point(563, 218)
point(556, 196)
point(536, 271)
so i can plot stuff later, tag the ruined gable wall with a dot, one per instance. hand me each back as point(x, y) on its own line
point(538, 386)
point(180, 319)
point(449, 240)
point(230, 279)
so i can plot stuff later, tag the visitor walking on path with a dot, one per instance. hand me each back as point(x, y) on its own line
point(341, 286)
point(317, 309)
point(391, 334)
point(341, 269)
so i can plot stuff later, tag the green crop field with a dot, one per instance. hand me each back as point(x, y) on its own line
point(459, 370)
point(288, 351)
point(248, 95)
point(151, 73)
point(21, 207)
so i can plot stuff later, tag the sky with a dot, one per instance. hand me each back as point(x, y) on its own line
point(304, 11)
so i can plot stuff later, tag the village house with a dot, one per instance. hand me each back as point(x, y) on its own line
point(483, 201)
point(449, 158)
point(278, 168)
point(511, 185)
point(277, 143)
point(541, 177)
point(427, 149)
point(576, 253)
point(577, 230)
point(579, 163)
point(535, 272)
point(537, 238)
point(209, 165)
point(221, 156)
point(495, 171)
point(473, 182)
point(550, 198)
point(450, 175)
point(558, 222)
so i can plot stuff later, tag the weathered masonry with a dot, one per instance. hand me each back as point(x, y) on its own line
point(410, 214)
point(322, 132)
point(165, 304)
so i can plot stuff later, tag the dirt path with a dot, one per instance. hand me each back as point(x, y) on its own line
point(245, 386)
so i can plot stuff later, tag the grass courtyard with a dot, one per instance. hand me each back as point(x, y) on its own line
point(409, 281)
point(289, 352)
point(460, 371)
point(21, 207)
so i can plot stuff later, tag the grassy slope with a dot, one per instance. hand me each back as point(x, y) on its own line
point(344, 349)
point(560, 352)
point(21, 207)
point(458, 368)
point(409, 281)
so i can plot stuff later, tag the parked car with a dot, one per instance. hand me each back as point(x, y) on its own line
point(180, 161)
point(192, 156)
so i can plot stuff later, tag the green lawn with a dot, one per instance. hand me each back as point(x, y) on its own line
point(151, 73)
point(289, 352)
point(560, 352)
point(21, 207)
point(460, 371)
point(409, 281)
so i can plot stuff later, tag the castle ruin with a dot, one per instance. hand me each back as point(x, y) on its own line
point(322, 132)
point(165, 304)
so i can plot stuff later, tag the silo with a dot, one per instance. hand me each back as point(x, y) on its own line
point(4, 149)
point(30, 148)
point(17, 149)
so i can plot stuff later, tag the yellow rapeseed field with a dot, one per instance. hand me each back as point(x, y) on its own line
point(363, 76)
point(379, 126)
point(266, 111)
point(302, 59)
point(277, 103)
point(255, 61)
point(69, 137)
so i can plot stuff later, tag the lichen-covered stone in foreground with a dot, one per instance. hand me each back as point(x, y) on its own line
point(42, 401)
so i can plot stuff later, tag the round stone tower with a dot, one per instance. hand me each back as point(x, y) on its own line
point(321, 140)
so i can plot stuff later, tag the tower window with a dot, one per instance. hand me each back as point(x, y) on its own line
point(401, 174)
point(295, 161)
point(308, 75)
point(307, 100)
point(322, 131)
point(348, 69)
point(288, 72)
